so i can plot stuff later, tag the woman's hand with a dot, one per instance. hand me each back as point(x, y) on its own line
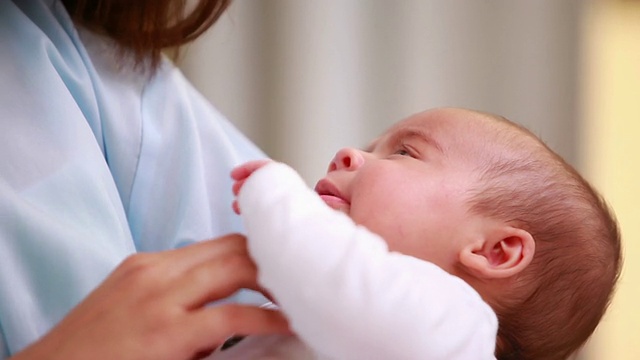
point(153, 307)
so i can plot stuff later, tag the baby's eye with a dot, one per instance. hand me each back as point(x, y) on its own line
point(405, 150)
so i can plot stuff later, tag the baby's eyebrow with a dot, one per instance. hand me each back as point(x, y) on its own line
point(424, 136)
point(408, 133)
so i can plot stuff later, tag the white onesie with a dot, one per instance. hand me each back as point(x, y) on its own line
point(346, 296)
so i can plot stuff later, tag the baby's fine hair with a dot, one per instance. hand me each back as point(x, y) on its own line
point(561, 297)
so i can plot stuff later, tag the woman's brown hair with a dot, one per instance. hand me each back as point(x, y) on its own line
point(145, 27)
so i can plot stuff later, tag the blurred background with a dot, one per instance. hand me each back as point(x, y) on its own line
point(303, 78)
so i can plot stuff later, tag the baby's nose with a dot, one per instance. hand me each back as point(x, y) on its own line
point(346, 159)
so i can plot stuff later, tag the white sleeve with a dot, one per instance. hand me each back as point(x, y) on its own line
point(344, 293)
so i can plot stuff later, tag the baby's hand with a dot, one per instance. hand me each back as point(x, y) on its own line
point(240, 174)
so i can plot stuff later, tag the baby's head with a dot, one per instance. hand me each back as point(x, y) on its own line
point(487, 201)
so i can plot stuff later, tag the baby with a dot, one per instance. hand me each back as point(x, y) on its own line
point(457, 235)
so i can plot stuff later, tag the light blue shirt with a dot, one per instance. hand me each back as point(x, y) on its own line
point(97, 161)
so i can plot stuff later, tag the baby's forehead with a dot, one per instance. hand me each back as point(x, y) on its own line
point(446, 125)
point(459, 132)
point(446, 119)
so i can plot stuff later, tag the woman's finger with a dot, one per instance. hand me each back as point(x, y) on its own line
point(213, 280)
point(184, 259)
point(211, 326)
point(153, 275)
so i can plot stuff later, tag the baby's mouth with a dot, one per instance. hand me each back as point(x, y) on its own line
point(335, 202)
point(331, 195)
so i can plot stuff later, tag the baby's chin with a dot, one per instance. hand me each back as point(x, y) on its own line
point(336, 203)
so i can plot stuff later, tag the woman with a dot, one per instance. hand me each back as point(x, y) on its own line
point(109, 154)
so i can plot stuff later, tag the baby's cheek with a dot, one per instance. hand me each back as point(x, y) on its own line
point(381, 223)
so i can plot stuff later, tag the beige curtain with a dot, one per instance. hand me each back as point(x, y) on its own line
point(303, 78)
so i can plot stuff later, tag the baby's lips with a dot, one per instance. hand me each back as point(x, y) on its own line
point(335, 202)
point(325, 187)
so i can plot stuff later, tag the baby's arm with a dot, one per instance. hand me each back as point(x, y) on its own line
point(344, 293)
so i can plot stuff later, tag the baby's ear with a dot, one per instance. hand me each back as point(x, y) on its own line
point(503, 252)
